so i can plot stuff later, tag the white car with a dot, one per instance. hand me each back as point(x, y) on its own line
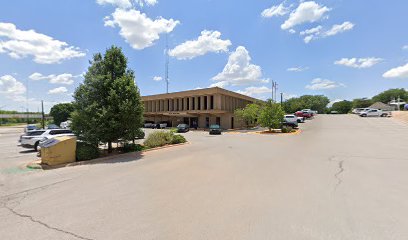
point(32, 139)
point(359, 110)
point(149, 124)
point(373, 113)
point(291, 120)
point(300, 119)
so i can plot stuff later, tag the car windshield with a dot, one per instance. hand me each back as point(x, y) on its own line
point(182, 125)
point(214, 126)
point(289, 116)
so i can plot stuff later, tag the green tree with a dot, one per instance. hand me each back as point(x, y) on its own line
point(61, 112)
point(249, 114)
point(314, 102)
point(342, 107)
point(271, 115)
point(391, 94)
point(107, 105)
point(362, 102)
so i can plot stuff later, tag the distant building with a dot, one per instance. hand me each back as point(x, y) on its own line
point(198, 108)
point(382, 106)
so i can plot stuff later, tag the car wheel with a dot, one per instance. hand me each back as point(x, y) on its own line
point(36, 146)
point(383, 115)
point(364, 115)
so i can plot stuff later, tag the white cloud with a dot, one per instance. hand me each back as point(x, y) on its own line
point(292, 31)
point(339, 28)
point(58, 90)
point(287, 96)
point(45, 50)
point(398, 72)
point(306, 12)
point(157, 78)
point(334, 101)
point(252, 91)
point(277, 10)
point(147, 2)
point(221, 84)
point(297, 69)
point(316, 33)
point(322, 84)
point(116, 3)
point(65, 78)
point(137, 29)
point(315, 30)
point(405, 47)
point(358, 62)
point(239, 70)
point(11, 88)
point(209, 41)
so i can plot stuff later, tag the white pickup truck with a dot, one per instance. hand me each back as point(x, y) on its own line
point(374, 113)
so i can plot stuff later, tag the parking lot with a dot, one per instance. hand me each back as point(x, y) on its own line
point(342, 177)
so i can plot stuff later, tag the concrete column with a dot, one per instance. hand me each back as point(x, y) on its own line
point(190, 105)
point(184, 104)
point(175, 104)
point(202, 103)
point(217, 102)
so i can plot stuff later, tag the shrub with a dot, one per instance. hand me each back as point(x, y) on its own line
point(178, 139)
point(158, 139)
point(85, 151)
point(173, 130)
point(132, 147)
point(140, 134)
point(286, 129)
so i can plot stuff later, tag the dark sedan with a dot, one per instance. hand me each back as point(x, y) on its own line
point(182, 128)
point(215, 129)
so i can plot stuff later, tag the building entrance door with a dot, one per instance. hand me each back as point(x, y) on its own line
point(232, 122)
point(194, 122)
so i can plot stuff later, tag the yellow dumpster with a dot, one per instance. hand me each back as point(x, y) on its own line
point(58, 150)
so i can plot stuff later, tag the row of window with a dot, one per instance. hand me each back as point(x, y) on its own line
point(180, 104)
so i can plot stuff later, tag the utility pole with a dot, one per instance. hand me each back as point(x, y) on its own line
point(166, 71)
point(42, 115)
point(281, 99)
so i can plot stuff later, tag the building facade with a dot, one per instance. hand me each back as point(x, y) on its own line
point(197, 108)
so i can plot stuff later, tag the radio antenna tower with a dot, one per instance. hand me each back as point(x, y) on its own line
point(166, 71)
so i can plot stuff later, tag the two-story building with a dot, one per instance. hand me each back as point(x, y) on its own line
point(199, 108)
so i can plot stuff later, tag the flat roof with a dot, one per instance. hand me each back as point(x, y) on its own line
point(203, 91)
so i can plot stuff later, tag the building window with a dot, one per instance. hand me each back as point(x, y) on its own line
point(188, 103)
point(205, 102)
point(212, 102)
point(218, 121)
point(199, 103)
point(193, 103)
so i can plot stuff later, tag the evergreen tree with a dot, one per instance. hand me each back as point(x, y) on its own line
point(107, 105)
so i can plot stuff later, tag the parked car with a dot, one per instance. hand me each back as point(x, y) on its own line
point(374, 113)
point(290, 120)
point(52, 126)
point(304, 114)
point(33, 138)
point(30, 128)
point(359, 110)
point(163, 124)
point(149, 124)
point(181, 128)
point(300, 119)
point(215, 129)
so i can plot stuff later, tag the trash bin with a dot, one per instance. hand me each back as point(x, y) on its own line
point(58, 150)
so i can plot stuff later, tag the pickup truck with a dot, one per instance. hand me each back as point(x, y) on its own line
point(374, 113)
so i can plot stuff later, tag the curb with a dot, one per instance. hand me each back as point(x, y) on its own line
point(37, 163)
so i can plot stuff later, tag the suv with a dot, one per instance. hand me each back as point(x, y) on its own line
point(373, 113)
point(149, 124)
point(290, 120)
point(33, 138)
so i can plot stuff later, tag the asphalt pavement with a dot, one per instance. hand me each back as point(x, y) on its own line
point(342, 177)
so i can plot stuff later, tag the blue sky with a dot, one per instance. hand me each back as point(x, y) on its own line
point(343, 49)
